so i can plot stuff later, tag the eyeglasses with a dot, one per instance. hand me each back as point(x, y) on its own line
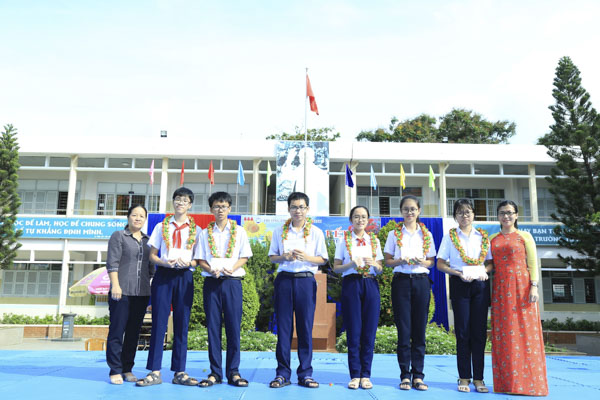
point(298, 208)
point(464, 213)
point(409, 210)
point(360, 217)
point(179, 200)
point(506, 213)
point(220, 208)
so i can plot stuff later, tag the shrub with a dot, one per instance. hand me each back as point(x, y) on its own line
point(569, 325)
point(250, 303)
point(263, 271)
point(249, 340)
point(438, 341)
point(16, 319)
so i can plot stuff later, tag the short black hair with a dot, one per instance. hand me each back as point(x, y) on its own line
point(184, 192)
point(133, 207)
point(219, 197)
point(356, 208)
point(460, 203)
point(297, 196)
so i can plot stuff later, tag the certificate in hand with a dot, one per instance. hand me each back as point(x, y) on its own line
point(290, 245)
point(361, 251)
point(473, 271)
point(184, 254)
point(220, 264)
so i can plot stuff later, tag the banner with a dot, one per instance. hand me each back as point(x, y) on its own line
point(69, 228)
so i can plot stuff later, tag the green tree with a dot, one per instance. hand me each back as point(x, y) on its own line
point(458, 126)
point(574, 142)
point(9, 198)
point(314, 135)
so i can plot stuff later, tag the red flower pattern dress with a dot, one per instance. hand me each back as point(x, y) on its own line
point(518, 357)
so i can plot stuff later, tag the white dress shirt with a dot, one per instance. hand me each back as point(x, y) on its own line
point(341, 252)
point(412, 247)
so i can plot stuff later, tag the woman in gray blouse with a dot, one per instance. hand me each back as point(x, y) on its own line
point(129, 270)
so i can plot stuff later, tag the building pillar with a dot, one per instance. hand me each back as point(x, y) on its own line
point(64, 279)
point(443, 205)
point(255, 187)
point(72, 186)
point(533, 204)
point(164, 183)
point(350, 192)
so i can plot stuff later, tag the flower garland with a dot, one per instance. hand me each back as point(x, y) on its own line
point(286, 229)
point(426, 239)
point(364, 270)
point(213, 245)
point(485, 245)
point(191, 238)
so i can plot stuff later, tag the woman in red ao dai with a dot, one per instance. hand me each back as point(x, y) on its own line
point(357, 257)
point(410, 251)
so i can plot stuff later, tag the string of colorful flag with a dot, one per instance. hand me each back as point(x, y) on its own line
point(373, 179)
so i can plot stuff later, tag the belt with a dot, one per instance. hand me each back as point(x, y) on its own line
point(400, 275)
point(297, 274)
point(225, 277)
point(359, 276)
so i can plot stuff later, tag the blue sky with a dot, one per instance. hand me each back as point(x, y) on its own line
point(235, 69)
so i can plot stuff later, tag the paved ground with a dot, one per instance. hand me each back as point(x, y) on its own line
point(75, 375)
point(45, 344)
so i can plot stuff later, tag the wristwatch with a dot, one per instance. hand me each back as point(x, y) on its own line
point(534, 284)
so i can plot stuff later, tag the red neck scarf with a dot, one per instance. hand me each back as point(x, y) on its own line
point(177, 234)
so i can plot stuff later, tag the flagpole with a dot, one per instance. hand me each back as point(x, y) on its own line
point(305, 131)
point(236, 198)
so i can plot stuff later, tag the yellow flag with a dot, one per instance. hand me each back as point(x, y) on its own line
point(269, 173)
point(431, 179)
point(402, 177)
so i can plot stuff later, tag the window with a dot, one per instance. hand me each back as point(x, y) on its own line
point(485, 201)
point(33, 280)
point(202, 192)
point(590, 290)
point(45, 196)
point(385, 201)
point(545, 202)
point(562, 290)
point(116, 198)
point(569, 287)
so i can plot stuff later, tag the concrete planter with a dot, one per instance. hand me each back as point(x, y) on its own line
point(11, 335)
point(55, 331)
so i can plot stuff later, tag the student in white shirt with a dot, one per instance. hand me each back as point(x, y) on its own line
point(411, 251)
point(464, 254)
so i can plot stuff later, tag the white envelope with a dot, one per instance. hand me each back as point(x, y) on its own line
point(362, 251)
point(184, 254)
point(290, 245)
point(220, 264)
point(473, 271)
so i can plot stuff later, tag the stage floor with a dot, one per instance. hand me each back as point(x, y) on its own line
point(81, 375)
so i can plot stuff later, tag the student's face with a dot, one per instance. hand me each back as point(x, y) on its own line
point(136, 219)
point(360, 220)
point(410, 210)
point(220, 209)
point(464, 216)
point(181, 204)
point(507, 216)
point(298, 210)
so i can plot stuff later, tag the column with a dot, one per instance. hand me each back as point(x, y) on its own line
point(64, 279)
point(164, 183)
point(443, 205)
point(533, 194)
point(255, 187)
point(72, 186)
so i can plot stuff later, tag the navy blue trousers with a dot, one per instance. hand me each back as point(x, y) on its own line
point(294, 296)
point(170, 287)
point(470, 302)
point(223, 297)
point(126, 316)
point(361, 303)
point(410, 301)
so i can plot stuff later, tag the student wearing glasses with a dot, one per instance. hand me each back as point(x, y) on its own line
point(410, 250)
point(358, 257)
point(173, 286)
point(464, 254)
point(299, 248)
point(223, 252)
point(518, 357)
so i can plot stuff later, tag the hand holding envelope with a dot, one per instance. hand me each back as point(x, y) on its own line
point(222, 266)
point(179, 258)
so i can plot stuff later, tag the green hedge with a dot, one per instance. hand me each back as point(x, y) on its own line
point(569, 325)
point(51, 320)
point(249, 340)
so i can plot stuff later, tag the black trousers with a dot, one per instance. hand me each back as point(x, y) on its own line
point(410, 301)
point(126, 316)
point(470, 302)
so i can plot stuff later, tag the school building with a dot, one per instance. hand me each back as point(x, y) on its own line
point(75, 193)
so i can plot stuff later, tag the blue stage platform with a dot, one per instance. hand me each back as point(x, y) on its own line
point(81, 375)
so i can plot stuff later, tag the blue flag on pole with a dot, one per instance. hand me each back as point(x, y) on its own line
point(373, 179)
point(240, 179)
point(349, 173)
